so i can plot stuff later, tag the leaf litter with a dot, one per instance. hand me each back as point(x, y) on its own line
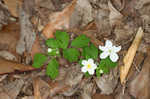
point(100, 20)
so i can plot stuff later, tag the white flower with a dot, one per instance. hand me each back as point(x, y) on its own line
point(109, 50)
point(88, 66)
point(49, 50)
point(101, 71)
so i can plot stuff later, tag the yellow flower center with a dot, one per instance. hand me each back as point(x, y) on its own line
point(89, 66)
point(109, 51)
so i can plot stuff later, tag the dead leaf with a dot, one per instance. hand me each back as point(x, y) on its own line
point(7, 55)
point(59, 20)
point(102, 22)
point(10, 66)
point(140, 86)
point(27, 34)
point(100, 96)
point(141, 3)
point(28, 97)
point(87, 90)
point(107, 83)
point(36, 48)
point(41, 89)
point(4, 15)
point(128, 59)
point(10, 31)
point(114, 16)
point(11, 90)
point(122, 95)
point(13, 5)
point(82, 14)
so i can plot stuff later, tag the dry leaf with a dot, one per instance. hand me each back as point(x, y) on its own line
point(140, 86)
point(36, 48)
point(11, 90)
point(107, 83)
point(4, 15)
point(27, 34)
point(141, 3)
point(88, 90)
point(7, 55)
point(128, 59)
point(114, 16)
point(13, 5)
point(59, 20)
point(10, 66)
point(100, 96)
point(9, 37)
point(41, 89)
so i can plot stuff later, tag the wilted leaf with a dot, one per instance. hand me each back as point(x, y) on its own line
point(41, 89)
point(13, 5)
point(114, 16)
point(139, 86)
point(10, 66)
point(60, 20)
point(12, 89)
point(10, 31)
point(128, 59)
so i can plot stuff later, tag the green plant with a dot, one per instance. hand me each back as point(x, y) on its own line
point(86, 56)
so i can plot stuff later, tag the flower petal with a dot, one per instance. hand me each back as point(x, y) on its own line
point(114, 57)
point(90, 61)
point(103, 48)
point(91, 71)
point(104, 55)
point(108, 44)
point(84, 62)
point(83, 69)
point(116, 49)
point(49, 50)
point(94, 66)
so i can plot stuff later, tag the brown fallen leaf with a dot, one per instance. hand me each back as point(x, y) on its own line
point(100, 96)
point(9, 37)
point(41, 89)
point(11, 90)
point(114, 16)
point(10, 66)
point(13, 5)
point(59, 20)
point(88, 30)
point(36, 48)
point(128, 59)
point(140, 86)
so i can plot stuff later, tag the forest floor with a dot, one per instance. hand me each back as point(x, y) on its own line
point(25, 25)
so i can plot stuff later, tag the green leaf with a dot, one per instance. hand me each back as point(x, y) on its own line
point(71, 54)
point(98, 74)
point(103, 66)
point(90, 52)
point(80, 62)
point(39, 60)
point(87, 74)
point(54, 52)
point(80, 41)
point(62, 38)
point(52, 43)
point(52, 69)
point(106, 65)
